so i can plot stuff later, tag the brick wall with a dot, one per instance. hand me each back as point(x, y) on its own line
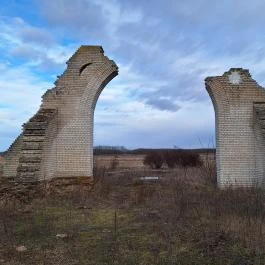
point(58, 140)
point(240, 145)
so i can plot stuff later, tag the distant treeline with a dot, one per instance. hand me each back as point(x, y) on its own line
point(119, 150)
point(109, 150)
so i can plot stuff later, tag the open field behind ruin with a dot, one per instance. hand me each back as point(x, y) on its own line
point(135, 161)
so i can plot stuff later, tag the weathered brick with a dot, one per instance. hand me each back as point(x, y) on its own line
point(58, 140)
point(239, 104)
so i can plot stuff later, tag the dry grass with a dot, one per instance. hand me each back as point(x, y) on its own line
point(182, 219)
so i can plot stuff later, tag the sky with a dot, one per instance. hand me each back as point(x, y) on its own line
point(164, 50)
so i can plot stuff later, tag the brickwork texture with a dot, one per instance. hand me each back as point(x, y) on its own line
point(239, 104)
point(57, 142)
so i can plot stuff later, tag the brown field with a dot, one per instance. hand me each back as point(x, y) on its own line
point(135, 161)
point(119, 161)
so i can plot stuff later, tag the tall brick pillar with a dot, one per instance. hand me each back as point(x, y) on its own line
point(239, 104)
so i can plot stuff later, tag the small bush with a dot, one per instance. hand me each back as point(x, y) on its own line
point(154, 160)
point(182, 158)
point(171, 159)
point(188, 159)
point(114, 163)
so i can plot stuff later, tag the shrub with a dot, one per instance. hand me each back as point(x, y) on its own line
point(188, 159)
point(171, 158)
point(154, 160)
point(114, 163)
point(181, 158)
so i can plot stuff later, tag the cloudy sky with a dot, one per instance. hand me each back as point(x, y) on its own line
point(164, 50)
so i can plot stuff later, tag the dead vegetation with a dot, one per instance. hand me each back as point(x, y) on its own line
point(180, 219)
point(172, 158)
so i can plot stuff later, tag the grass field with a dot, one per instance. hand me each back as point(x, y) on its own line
point(180, 219)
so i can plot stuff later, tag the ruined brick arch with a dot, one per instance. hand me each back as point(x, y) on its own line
point(57, 142)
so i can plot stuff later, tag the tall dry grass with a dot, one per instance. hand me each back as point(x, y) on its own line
point(181, 219)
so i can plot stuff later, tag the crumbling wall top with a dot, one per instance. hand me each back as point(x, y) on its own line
point(233, 76)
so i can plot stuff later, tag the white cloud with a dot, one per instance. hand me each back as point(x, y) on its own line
point(141, 126)
point(20, 97)
point(118, 16)
point(35, 45)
